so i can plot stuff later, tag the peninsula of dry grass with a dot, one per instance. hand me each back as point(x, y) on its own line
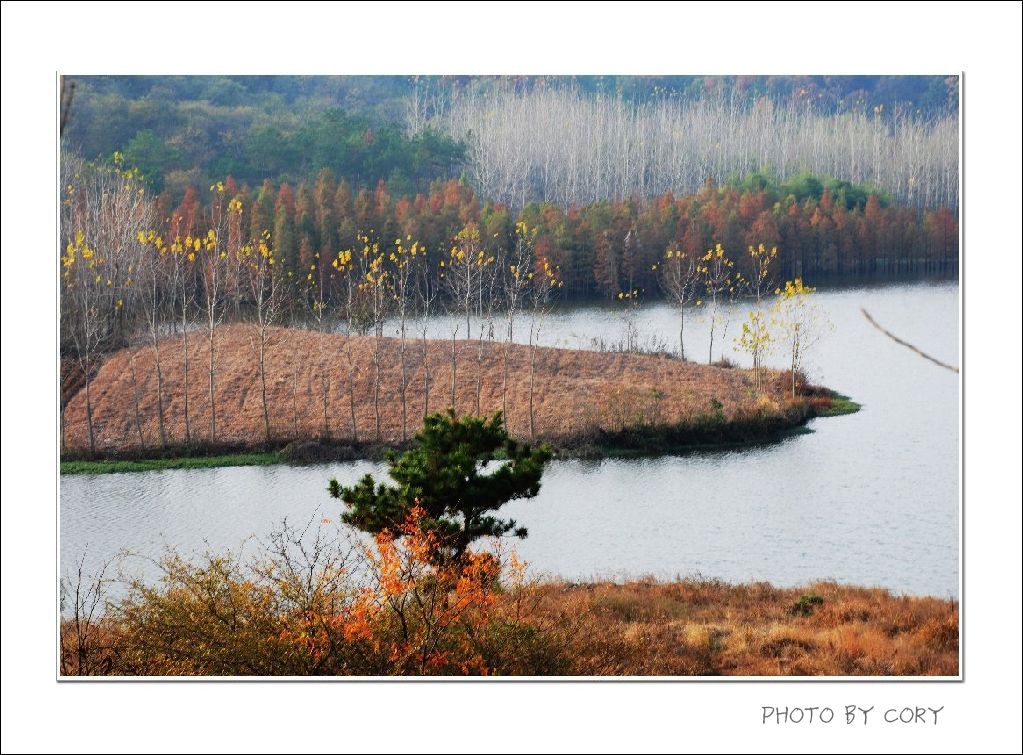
point(580, 397)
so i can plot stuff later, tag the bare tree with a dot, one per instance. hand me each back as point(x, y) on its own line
point(678, 275)
point(543, 282)
point(516, 271)
point(154, 297)
point(344, 265)
point(83, 598)
point(212, 259)
point(716, 271)
point(558, 145)
point(266, 282)
point(405, 261)
point(459, 276)
point(375, 284)
point(426, 293)
point(104, 210)
point(317, 300)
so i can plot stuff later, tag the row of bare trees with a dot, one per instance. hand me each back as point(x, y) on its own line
point(126, 286)
point(557, 145)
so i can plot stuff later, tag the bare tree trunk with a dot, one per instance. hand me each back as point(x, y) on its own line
point(376, 385)
point(135, 399)
point(294, 404)
point(262, 384)
point(184, 349)
point(713, 319)
point(532, 372)
point(324, 388)
point(159, 390)
point(88, 404)
point(504, 385)
point(213, 400)
point(351, 390)
point(454, 365)
point(404, 387)
point(681, 331)
point(479, 372)
point(426, 377)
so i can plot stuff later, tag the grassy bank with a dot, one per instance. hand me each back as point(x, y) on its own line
point(710, 434)
point(112, 466)
point(840, 405)
point(640, 628)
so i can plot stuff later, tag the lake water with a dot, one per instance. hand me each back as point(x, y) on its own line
point(870, 498)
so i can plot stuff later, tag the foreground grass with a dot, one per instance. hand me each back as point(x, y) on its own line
point(640, 628)
point(187, 462)
point(694, 627)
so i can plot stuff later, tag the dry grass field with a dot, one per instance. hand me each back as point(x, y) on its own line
point(576, 393)
point(713, 628)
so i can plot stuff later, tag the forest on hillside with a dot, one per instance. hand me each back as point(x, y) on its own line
point(563, 139)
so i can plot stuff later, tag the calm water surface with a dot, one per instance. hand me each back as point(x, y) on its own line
point(870, 498)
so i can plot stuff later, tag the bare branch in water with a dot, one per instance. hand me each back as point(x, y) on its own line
point(909, 346)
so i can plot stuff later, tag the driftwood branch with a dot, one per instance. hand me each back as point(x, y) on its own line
point(909, 346)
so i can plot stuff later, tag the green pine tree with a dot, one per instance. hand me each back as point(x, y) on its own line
point(449, 474)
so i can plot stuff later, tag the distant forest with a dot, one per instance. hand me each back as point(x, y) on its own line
point(190, 130)
point(847, 175)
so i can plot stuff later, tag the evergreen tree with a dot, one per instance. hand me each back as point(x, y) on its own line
point(451, 473)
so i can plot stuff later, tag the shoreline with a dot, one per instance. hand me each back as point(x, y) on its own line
point(631, 443)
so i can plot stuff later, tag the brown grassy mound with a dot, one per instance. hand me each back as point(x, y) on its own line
point(576, 394)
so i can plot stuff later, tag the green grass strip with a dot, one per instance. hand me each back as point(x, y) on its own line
point(188, 462)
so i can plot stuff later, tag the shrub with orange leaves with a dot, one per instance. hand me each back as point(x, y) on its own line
point(331, 606)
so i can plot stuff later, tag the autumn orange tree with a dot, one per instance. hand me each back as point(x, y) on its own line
point(314, 603)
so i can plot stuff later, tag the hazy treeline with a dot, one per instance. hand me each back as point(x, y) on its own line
point(560, 145)
point(658, 132)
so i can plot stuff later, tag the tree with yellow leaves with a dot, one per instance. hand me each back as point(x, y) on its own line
point(317, 290)
point(425, 296)
point(375, 287)
point(756, 338)
point(543, 282)
point(801, 323)
point(154, 297)
point(344, 265)
point(517, 268)
point(460, 276)
point(405, 260)
point(716, 270)
point(103, 211)
point(212, 260)
point(678, 274)
point(266, 277)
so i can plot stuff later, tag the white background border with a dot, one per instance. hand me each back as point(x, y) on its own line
point(981, 714)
